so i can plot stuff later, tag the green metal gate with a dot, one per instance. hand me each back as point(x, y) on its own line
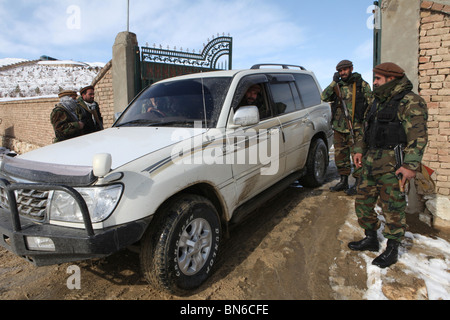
point(157, 64)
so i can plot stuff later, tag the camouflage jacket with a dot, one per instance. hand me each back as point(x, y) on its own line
point(339, 121)
point(65, 123)
point(413, 114)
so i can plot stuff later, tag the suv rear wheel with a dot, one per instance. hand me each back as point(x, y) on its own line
point(316, 164)
point(181, 246)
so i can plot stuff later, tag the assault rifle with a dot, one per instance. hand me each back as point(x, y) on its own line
point(337, 91)
point(398, 150)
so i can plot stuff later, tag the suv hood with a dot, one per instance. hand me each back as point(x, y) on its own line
point(124, 145)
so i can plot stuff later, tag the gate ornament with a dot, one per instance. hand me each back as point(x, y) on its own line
point(208, 59)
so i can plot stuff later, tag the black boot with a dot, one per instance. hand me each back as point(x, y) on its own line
point(342, 185)
point(388, 257)
point(352, 190)
point(370, 242)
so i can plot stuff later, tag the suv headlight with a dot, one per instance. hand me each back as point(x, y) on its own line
point(101, 201)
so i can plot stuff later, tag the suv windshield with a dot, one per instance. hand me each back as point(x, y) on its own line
point(178, 103)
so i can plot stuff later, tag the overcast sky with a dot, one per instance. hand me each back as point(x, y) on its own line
point(314, 34)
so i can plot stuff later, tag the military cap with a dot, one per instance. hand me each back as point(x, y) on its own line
point(344, 64)
point(389, 69)
point(83, 90)
point(67, 93)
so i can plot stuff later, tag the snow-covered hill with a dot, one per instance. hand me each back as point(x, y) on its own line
point(43, 78)
point(10, 61)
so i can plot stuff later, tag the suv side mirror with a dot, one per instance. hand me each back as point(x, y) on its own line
point(246, 116)
point(101, 164)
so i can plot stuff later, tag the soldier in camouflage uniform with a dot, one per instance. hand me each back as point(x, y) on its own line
point(68, 118)
point(396, 117)
point(357, 96)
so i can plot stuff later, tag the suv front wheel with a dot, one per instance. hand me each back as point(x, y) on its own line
point(181, 246)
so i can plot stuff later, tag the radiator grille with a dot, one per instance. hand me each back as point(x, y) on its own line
point(30, 203)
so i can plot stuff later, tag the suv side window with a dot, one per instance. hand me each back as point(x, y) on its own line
point(309, 92)
point(284, 94)
point(245, 86)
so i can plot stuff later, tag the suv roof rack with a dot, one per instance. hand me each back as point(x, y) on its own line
point(284, 66)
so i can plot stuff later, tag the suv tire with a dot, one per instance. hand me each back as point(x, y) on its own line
point(180, 248)
point(316, 165)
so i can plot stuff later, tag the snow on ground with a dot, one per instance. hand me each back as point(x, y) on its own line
point(421, 273)
point(420, 257)
point(429, 260)
point(431, 264)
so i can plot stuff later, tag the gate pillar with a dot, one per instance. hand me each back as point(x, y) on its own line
point(123, 69)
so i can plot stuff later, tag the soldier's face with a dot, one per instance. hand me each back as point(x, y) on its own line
point(345, 73)
point(379, 80)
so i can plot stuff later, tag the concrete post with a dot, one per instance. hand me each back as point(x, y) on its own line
point(400, 36)
point(123, 68)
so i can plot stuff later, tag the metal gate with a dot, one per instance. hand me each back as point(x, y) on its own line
point(157, 64)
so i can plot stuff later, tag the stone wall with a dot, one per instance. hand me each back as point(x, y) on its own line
point(434, 87)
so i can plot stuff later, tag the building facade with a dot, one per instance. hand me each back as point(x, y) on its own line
point(416, 35)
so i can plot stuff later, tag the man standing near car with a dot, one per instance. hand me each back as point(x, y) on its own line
point(86, 100)
point(357, 95)
point(397, 118)
point(68, 118)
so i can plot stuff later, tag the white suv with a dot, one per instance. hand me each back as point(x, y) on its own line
point(187, 157)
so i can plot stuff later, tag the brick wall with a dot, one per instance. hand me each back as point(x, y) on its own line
point(104, 94)
point(434, 87)
point(25, 124)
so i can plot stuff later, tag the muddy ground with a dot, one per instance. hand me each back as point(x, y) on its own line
point(295, 247)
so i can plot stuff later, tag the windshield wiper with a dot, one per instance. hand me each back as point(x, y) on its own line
point(152, 123)
point(170, 123)
point(137, 122)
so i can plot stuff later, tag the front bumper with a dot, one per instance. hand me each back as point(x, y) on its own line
point(70, 244)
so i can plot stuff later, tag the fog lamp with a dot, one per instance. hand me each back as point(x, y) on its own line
point(40, 244)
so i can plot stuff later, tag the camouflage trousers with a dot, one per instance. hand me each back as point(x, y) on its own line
point(342, 154)
point(385, 190)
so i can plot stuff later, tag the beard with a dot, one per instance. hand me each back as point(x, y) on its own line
point(346, 77)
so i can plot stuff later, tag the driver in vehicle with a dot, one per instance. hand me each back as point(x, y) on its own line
point(253, 97)
point(152, 106)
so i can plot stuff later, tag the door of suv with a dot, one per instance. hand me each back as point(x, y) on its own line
point(294, 119)
point(258, 149)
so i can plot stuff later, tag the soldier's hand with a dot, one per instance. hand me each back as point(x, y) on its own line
point(357, 160)
point(81, 124)
point(336, 77)
point(406, 175)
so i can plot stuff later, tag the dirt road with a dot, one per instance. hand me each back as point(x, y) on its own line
point(289, 249)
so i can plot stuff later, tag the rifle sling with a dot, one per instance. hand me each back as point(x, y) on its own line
point(353, 102)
